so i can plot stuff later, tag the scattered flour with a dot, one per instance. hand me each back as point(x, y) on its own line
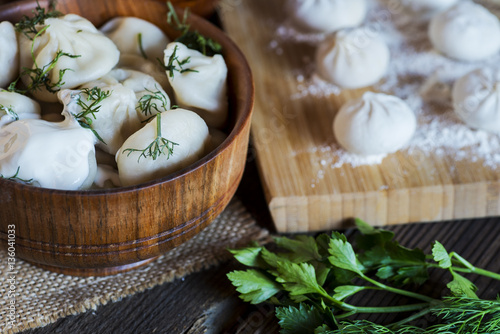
point(417, 74)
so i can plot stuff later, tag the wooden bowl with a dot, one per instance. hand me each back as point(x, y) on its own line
point(201, 7)
point(102, 232)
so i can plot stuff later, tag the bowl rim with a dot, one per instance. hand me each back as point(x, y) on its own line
point(237, 128)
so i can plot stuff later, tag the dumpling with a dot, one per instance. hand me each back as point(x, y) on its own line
point(199, 82)
point(136, 36)
point(327, 15)
point(151, 98)
point(181, 130)
point(137, 63)
point(9, 54)
point(86, 54)
point(466, 31)
point(374, 124)
point(115, 118)
point(15, 106)
point(48, 154)
point(476, 98)
point(352, 59)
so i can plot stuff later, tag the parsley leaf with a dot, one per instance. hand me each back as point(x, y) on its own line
point(254, 286)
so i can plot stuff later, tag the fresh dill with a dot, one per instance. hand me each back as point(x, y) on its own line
point(157, 147)
point(10, 112)
point(90, 106)
point(28, 25)
point(141, 47)
point(312, 280)
point(16, 177)
point(192, 39)
point(155, 101)
point(39, 76)
point(176, 65)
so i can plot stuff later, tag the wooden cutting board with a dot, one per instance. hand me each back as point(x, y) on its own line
point(290, 137)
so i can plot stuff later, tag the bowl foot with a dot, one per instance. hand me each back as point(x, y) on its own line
point(87, 272)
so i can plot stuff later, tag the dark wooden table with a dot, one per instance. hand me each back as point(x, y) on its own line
point(206, 302)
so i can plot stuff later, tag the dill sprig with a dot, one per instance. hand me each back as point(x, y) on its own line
point(28, 25)
point(157, 147)
point(15, 177)
point(90, 106)
point(141, 47)
point(10, 112)
point(192, 39)
point(154, 101)
point(39, 76)
point(176, 65)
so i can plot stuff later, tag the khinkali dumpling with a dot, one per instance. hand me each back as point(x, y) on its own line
point(48, 154)
point(466, 31)
point(93, 54)
point(9, 54)
point(199, 82)
point(352, 58)
point(116, 117)
point(327, 15)
point(476, 97)
point(133, 35)
point(374, 124)
point(182, 131)
point(15, 106)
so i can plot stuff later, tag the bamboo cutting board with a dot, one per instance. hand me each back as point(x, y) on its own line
point(291, 135)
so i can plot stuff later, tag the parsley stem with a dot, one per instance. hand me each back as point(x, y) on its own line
point(397, 291)
point(391, 309)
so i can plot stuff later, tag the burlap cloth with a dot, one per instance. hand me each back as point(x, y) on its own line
point(42, 297)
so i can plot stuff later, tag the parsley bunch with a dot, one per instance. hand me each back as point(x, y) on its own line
point(312, 279)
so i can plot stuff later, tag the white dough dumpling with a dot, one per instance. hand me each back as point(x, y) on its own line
point(466, 32)
point(327, 15)
point(181, 130)
point(476, 98)
point(375, 124)
point(199, 82)
point(48, 154)
point(133, 35)
point(352, 58)
point(15, 106)
point(9, 54)
point(86, 53)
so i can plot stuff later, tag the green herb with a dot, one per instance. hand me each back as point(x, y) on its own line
point(9, 111)
point(310, 280)
point(141, 48)
point(90, 106)
point(158, 147)
point(28, 26)
point(40, 75)
point(15, 177)
point(176, 65)
point(192, 39)
point(155, 100)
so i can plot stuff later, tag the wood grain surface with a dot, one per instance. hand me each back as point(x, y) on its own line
point(305, 195)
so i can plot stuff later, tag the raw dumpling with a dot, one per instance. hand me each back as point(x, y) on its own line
point(199, 82)
point(48, 154)
point(466, 31)
point(327, 15)
point(136, 36)
point(352, 58)
point(116, 118)
point(94, 54)
point(152, 68)
point(374, 124)
point(476, 97)
point(151, 98)
point(187, 136)
point(15, 106)
point(9, 54)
